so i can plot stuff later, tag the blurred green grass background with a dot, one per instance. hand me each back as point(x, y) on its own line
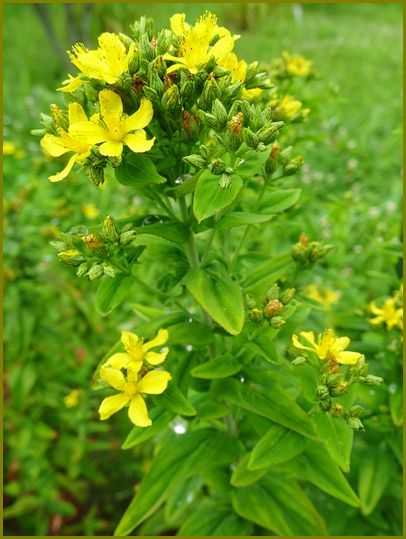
point(351, 193)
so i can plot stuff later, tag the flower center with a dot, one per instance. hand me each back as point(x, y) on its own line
point(130, 389)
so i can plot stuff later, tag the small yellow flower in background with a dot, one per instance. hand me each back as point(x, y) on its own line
point(71, 84)
point(137, 351)
point(106, 63)
point(72, 399)
point(135, 383)
point(65, 142)
point(391, 313)
point(289, 107)
point(297, 65)
point(327, 347)
point(114, 129)
point(132, 389)
point(196, 49)
point(325, 297)
point(90, 211)
point(9, 148)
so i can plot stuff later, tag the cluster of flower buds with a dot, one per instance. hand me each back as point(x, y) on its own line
point(94, 254)
point(308, 252)
point(272, 311)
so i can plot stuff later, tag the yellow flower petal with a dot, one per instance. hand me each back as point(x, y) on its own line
point(348, 358)
point(138, 142)
point(111, 405)
point(251, 93)
point(88, 132)
point(118, 361)
point(76, 113)
point(154, 382)
point(176, 67)
point(141, 118)
point(340, 344)
point(178, 23)
point(111, 149)
point(156, 358)
point(53, 145)
point(65, 172)
point(159, 340)
point(138, 412)
point(111, 109)
point(223, 46)
point(71, 84)
point(113, 377)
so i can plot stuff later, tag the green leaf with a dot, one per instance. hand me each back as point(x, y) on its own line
point(174, 400)
point(243, 475)
point(181, 500)
point(316, 465)
point(213, 519)
point(112, 291)
point(373, 478)
point(180, 457)
point(138, 435)
point(252, 162)
point(396, 406)
point(278, 445)
point(220, 297)
point(240, 218)
point(190, 332)
point(210, 197)
point(274, 405)
point(279, 505)
point(279, 200)
point(337, 435)
point(137, 170)
point(175, 232)
point(268, 270)
point(220, 367)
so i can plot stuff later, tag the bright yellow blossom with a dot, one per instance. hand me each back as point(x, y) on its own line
point(107, 63)
point(325, 297)
point(136, 351)
point(114, 129)
point(389, 314)
point(195, 48)
point(238, 71)
point(90, 211)
point(70, 85)
point(65, 142)
point(132, 389)
point(72, 399)
point(328, 347)
point(297, 65)
point(288, 108)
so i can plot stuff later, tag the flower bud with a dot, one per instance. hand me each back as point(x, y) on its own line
point(337, 409)
point(251, 303)
point(293, 165)
point(70, 256)
point(255, 314)
point(95, 272)
point(109, 230)
point(109, 270)
point(287, 295)
point(322, 392)
point(220, 113)
point(356, 411)
point(355, 423)
point(217, 166)
point(171, 98)
point(300, 360)
point(277, 322)
point(95, 174)
point(187, 89)
point(92, 241)
point(127, 237)
point(273, 292)
point(163, 41)
point(225, 181)
point(82, 269)
point(236, 123)
point(195, 160)
point(146, 49)
point(210, 92)
point(250, 138)
point(268, 133)
point(59, 116)
point(273, 308)
point(373, 380)
point(156, 84)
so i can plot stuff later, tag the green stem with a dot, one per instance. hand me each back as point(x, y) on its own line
point(208, 245)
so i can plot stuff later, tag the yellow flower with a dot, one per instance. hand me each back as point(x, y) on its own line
point(9, 148)
point(326, 297)
point(132, 389)
point(90, 211)
point(388, 314)
point(107, 63)
point(297, 65)
point(238, 71)
point(70, 84)
point(114, 129)
point(136, 351)
point(72, 399)
point(195, 48)
point(288, 108)
point(328, 347)
point(65, 142)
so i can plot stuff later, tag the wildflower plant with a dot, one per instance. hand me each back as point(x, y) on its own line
point(249, 404)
